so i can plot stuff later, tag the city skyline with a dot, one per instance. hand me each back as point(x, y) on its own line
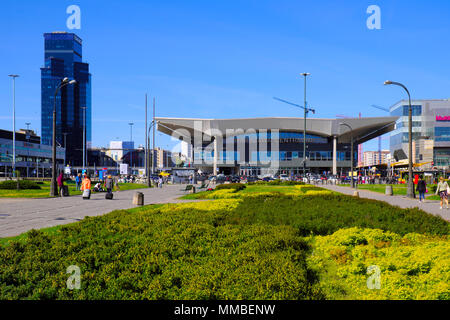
point(229, 65)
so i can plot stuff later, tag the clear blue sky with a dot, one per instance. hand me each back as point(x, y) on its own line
point(226, 59)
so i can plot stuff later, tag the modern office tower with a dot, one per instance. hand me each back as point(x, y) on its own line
point(63, 58)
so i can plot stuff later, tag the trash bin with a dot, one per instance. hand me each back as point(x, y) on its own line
point(138, 199)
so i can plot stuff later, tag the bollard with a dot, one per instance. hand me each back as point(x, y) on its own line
point(389, 191)
point(138, 199)
point(356, 194)
point(193, 189)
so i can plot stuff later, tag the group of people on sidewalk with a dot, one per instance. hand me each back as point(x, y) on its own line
point(84, 184)
point(442, 189)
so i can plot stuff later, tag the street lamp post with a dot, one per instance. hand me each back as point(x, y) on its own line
point(410, 191)
point(152, 124)
point(351, 150)
point(65, 146)
point(54, 187)
point(131, 140)
point(84, 137)
point(153, 140)
point(146, 144)
point(305, 74)
point(28, 149)
point(14, 76)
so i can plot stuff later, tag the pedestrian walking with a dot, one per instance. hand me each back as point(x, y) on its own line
point(109, 184)
point(60, 181)
point(86, 187)
point(443, 190)
point(78, 181)
point(116, 183)
point(160, 182)
point(421, 188)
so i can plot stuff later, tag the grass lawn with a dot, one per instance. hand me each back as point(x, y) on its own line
point(44, 192)
point(399, 190)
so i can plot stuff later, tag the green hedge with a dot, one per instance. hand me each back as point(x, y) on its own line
point(152, 254)
point(285, 183)
point(277, 183)
point(236, 186)
point(23, 184)
point(325, 215)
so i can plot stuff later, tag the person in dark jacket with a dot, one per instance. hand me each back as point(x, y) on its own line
point(109, 184)
point(421, 188)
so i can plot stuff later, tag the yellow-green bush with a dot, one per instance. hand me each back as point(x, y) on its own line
point(414, 266)
point(222, 194)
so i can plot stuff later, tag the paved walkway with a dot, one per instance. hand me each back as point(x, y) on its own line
point(429, 206)
point(20, 215)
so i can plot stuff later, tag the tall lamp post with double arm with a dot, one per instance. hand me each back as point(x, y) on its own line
point(13, 77)
point(54, 188)
point(410, 190)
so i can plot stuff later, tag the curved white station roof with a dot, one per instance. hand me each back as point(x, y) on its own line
point(364, 129)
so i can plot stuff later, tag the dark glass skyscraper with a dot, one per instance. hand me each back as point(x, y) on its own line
point(63, 58)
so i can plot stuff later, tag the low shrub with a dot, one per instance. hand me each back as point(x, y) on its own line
point(277, 183)
point(171, 252)
point(292, 183)
point(235, 186)
point(412, 267)
point(321, 213)
point(23, 185)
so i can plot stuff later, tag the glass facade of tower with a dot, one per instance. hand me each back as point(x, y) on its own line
point(63, 58)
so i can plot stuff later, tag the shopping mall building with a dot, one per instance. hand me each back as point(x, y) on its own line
point(262, 146)
point(431, 132)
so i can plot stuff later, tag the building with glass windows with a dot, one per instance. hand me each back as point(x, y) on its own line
point(32, 158)
point(269, 146)
point(63, 58)
point(430, 132)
